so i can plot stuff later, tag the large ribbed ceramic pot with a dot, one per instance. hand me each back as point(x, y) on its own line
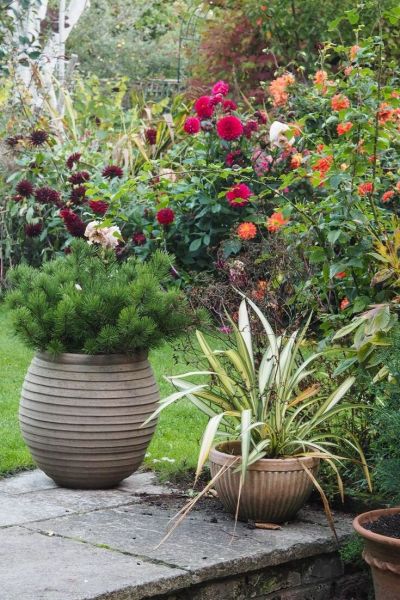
point(382, 554)
point(81, 416)
point(274, 490)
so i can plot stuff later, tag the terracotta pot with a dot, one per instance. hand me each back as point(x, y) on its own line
point(382, 554)
point(80, 416)
point(274, 489)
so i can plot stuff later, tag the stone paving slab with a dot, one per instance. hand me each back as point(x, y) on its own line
point(59, 544)
point(198, 545)
point(36, 567)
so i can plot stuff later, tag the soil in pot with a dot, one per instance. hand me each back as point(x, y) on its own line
point(388, 525)
point(380, 530)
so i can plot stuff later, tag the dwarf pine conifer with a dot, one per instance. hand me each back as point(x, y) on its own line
point(89, 302)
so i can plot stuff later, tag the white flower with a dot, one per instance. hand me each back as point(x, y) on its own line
point(105, 236)
point(277, 135)
point(78, 287)
point(167, 174)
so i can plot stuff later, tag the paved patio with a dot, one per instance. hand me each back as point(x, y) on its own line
point(59, 544)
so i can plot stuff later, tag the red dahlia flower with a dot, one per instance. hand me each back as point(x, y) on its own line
point(72, 159)
point(229, 105)
point(112, 171)
point(151, 136)
point(47, 195)
point(192, 125)
point(203, 107)
point(239, 195)
point(165, 216)
point(33, 229)
point(73, 222)
point(217, 99)
point(138, 238)
point(98, 206)
point(79, 177)
point(229, 128)
point(24, 188)
point(220, 88)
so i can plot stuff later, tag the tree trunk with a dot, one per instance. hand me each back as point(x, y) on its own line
point(42, 79)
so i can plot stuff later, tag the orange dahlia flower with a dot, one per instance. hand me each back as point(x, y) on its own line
point(277, 89)
point(366, 188)
point(344, 303)
point(354, 51)
point(320, 77)
point(247, 231)
point(387, 196)
point(343, 128)
point(296, 160)
point(340, 102)
point(275, 222)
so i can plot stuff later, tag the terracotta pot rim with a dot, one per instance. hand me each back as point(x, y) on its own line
point(81, 358)
point(373, 515)
point(264, 464)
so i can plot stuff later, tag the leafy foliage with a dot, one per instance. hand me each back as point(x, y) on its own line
point(385, 450)
point(143, 34)
point(262, 402)
point(247, 40)
point(89, 302)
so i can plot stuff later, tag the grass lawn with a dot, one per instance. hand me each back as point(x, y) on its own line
point(173, 450)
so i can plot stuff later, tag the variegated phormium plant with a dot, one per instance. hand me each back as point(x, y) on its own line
point(265, 405)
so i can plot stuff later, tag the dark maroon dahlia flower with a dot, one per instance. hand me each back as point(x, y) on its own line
point(38, 137)
point(24, 188)
point(73, 223)
point(33, 229)
point(79, 177)
point(14, 140)
point(47, 195)
point(72, 159)
point(112, 171)
point(138, 238)
point(249, 128)
point(78, 194)
point(261, 117)
point(236, 157)
point(151, 136)
point(98, 206)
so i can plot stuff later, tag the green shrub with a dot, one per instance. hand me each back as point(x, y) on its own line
point(385, 448)
point(89, 302)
